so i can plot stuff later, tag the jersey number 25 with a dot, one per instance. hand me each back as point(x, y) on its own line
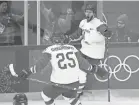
point(63, 57)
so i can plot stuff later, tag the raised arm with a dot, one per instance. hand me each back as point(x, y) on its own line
point(18, 17)
point(45, 11)
point(37, 67)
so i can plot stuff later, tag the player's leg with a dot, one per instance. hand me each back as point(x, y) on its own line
point(73, 101)
point(95, 66)
point(93, 62)
point(82, 81)
point(50, 93)
point(47, 100)
point(71, 96)
point(99, 70)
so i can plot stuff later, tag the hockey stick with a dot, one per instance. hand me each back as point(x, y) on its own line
point(57, 85)
point(107, 55)
point(54, 84)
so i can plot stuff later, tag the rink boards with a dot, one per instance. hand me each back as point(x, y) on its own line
point(122, 61)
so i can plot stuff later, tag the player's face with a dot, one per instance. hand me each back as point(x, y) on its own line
point(3, 7)
point(120, 24)
point(89, 14)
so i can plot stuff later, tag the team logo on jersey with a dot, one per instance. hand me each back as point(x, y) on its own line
point(87, 31)
point(91, 29)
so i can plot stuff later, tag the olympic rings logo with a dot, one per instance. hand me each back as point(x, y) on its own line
point(117, 68)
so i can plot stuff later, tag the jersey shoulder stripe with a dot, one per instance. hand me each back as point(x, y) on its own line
point(55, 48)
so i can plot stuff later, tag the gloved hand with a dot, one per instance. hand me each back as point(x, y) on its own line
point(24, 74)
point(95, 69)
point(104, 30)
point(66, 39)
point(101, 72)
point(108, 33)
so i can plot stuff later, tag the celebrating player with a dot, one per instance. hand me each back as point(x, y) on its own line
point(93, 32)
point(66, 63)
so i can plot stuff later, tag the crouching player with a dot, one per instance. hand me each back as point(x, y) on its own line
point(68, 69)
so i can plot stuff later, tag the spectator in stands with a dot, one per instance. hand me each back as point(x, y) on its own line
point(77, 7)
point(10, 22)
point(122, 33)
point(55, 24)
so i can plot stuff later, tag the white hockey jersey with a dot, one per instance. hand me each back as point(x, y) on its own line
point(65, 62)
point(93, 43)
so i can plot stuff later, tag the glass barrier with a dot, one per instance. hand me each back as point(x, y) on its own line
point(11, 19)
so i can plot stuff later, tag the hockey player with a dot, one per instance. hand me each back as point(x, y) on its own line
point(20, 99)
point(93, 32)
point(66, 63)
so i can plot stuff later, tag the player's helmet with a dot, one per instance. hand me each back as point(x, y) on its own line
point(92, 7)
point(20, 99)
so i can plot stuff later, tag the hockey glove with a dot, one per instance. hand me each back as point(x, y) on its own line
point(104, 30)
point(24, 74)
point(66, 39)
point(108, 33)
point(101, 72)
